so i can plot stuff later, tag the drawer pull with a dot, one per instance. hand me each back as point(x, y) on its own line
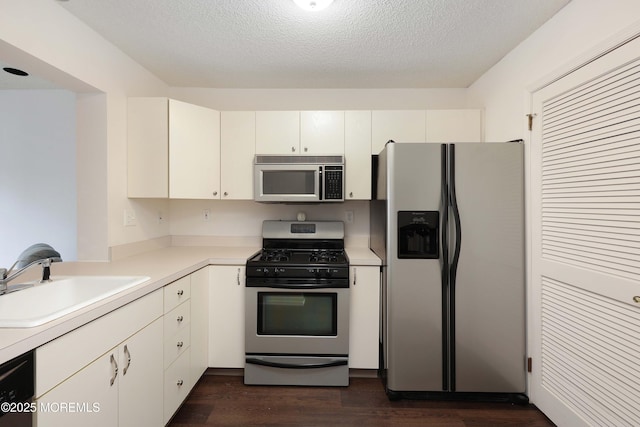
point(179, 383)
point(180, 319)
point(114, 367)
point(180, 292)
point(180, 344)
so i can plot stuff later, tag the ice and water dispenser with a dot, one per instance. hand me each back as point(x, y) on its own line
point(418, 233)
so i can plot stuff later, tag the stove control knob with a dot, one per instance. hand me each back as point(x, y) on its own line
point(265, 271)
point(328, 272)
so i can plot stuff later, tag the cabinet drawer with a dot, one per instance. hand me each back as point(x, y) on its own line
point(176, 345)
point(176, 293)
point(177, 319)
point(176, 385)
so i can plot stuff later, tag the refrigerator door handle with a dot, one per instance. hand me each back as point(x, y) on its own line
point(444, 236)
point(453, 268)
point(456, 216)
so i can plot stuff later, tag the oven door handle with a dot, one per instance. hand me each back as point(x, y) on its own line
point(300, 286)
point(255, 361)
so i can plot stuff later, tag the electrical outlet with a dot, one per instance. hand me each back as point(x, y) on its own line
point(206, 215)
point(129, 218)
point(348, 217)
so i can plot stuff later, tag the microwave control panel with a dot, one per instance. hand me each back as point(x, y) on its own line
point(333, 183)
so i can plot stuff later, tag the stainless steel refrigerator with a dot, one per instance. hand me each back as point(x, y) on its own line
point(448, 222)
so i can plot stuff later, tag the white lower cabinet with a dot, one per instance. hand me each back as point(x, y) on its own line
point(90, 390)
point(364, 317)
point(226, 316)
point(131, 367)
point(122, 387)
point(140, 388)
point(186, 324)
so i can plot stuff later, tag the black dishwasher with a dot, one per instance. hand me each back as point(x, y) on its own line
point(16, 391)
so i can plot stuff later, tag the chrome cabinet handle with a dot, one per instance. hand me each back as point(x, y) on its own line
point(293, 149)
point(180, 344)
point(355, 276)
point(238, 278)
point(215, 193)
point(128, 356)
point(306, 149)
point(226, 194)
point(636, 299)
point(180, 319)
point(114, 366)
point(179, 383)
point(180, 292)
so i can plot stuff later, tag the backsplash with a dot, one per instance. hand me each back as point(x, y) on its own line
point(244, 218)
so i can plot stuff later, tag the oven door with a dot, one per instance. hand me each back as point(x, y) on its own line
point(294, 321)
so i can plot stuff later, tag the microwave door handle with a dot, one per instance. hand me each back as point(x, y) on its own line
point(320, 184)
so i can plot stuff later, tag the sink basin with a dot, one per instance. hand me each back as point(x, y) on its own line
point(45, 302)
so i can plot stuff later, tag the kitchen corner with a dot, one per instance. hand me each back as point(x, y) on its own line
point(163, 266)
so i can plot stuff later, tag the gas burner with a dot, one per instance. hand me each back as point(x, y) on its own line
point(323, 256)
point(275, 255)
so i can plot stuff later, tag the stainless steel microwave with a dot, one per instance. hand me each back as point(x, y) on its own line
point(290, 178)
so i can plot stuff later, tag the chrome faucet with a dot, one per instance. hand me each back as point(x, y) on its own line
point(38, 254)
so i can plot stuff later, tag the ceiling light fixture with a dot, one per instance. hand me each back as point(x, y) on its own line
point(313, 5)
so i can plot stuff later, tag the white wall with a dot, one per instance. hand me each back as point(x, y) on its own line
point(575, 30)
point(322, 99)
point(37, 172)
point(43, 38)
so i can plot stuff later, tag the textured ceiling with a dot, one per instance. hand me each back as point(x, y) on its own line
point(352, 44)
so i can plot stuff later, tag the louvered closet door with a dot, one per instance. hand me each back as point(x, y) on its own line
point(585, 201)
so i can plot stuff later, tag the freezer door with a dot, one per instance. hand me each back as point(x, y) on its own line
point(412, 294)
point(489, 289)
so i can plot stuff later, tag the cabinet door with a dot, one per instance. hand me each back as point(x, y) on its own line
point(194, 151)
point(454, 126)
point(322, 132)
point(199, 323)
point(88, 398)
point(141, 372)
point(237, 150)
point(357, 150)
point(364, 326)
point(277, 132)
point(147, 147)
point(226, 317)
point(399, 125)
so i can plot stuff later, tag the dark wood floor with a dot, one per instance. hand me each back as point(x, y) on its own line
point(225, 401)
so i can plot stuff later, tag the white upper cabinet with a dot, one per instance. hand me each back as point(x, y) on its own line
point(454, 126)
point(277, 132)
point(322, 132)
point(237, 150)
point(173, 149)
point(399, 125)
point(300, 132)
point(194, 151)
point(357, 151)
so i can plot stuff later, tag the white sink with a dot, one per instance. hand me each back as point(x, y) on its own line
point(45, 302)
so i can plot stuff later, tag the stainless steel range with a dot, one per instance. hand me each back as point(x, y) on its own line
point(297, 306)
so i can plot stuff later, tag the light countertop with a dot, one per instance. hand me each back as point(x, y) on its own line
point(163, 266)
